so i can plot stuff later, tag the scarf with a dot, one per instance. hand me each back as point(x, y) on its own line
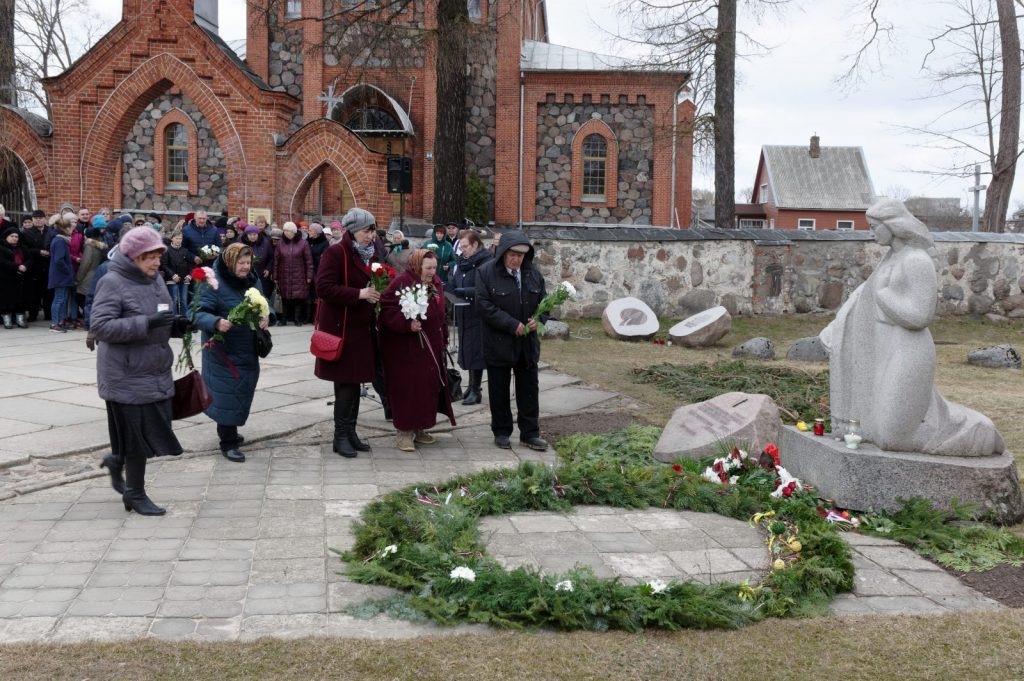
point(365, 252)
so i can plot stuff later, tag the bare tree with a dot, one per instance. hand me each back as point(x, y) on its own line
point(980, 78)
point(700, 36)
point(49, 36)
point(8, 95)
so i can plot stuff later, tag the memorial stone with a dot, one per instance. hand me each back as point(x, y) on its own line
point(629, 319)
point(702, 329)
point(755, 348)
point(700, 430)
point(807, 349)
point(1000, 356)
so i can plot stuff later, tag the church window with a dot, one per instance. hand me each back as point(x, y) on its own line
point(293, 8)
point(175, 144)
point(595, 162)
point(176, 153)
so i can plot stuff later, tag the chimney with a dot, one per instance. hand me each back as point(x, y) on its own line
point(815, 150)
point(206, 14)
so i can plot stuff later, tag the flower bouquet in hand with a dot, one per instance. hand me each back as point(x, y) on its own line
point(209, 253)
point(249, 311)
point(414, 301)
point(201, 276)
point(380, 276)
point(562, 293)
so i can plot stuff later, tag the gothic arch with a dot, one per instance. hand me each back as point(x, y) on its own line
point(595, 126)
point(326, 142)
point(102, 147)
point(18, 136)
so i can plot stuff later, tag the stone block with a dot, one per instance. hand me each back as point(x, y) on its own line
point(698, 430)
point(755, 348)
point(1002, 356)
point(870, 478)
point(556, 329)
point(703, 329)
point(629, 319)
point(807, 349)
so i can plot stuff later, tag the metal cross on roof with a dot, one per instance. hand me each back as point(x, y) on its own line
point(330, 100)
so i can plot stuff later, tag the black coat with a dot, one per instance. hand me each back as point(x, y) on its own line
point(33, 241)
point(11, 280)
point(502, 309)
point(463, 287)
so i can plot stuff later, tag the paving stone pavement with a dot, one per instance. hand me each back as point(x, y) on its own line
point(245, 550)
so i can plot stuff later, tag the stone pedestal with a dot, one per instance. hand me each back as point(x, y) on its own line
point(869, 478)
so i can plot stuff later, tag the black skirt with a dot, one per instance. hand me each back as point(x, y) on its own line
point(142, 429)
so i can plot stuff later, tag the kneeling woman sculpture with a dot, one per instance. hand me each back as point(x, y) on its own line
point(882, 358)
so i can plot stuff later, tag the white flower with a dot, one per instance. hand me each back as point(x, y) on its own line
point(376, 267)
point(564, 585)
point(390, 548)
point(463, 572)
point(711, 476)
point(568, 288)
point(413, 302)
point(657, 586)
point(734, 479)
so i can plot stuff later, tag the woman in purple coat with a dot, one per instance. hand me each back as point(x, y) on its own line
point(293, 273)
point(346, 309)
point(413, 354)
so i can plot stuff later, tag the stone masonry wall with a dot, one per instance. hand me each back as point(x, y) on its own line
point(481, 126)
point(138, 162)
point(285, 68)
point(682, 273)
point(633, 125)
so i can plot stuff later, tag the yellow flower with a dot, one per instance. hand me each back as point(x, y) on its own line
point(779, 564)
point(801, 426)
point(795, 546)
point(258, 302)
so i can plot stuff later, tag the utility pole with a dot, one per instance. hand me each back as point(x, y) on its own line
point(977, 189)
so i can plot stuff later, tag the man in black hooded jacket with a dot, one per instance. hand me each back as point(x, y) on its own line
point(508, 290)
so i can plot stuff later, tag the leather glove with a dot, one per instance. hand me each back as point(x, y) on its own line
point(158, 319)
point(180, 325)
point(90, 342)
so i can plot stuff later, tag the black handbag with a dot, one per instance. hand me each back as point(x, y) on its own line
point(454, 379)
point(264, 342)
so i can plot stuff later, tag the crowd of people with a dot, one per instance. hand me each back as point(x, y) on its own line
point(131, 282)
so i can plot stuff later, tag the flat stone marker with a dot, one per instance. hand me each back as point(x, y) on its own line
point(755, 348)
point(698, 430)
point(1000, 356)
point(809, 349)
point(702, 329)
point(629, 319)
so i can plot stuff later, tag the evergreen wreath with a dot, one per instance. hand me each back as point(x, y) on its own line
point(426, 541)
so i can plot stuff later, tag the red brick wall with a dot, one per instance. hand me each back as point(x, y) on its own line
point(787, 219)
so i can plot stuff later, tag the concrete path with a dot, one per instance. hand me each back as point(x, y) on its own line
point(245, 550)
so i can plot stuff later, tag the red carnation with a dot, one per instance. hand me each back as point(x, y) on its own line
point(773, 451)
point(198, 274)
point(788, 492)
point(677, 468)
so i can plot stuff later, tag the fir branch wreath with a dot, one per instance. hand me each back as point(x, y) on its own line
point(425, 541)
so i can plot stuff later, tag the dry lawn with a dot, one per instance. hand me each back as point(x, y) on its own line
point(978, 647)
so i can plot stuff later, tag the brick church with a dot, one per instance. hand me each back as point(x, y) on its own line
point(160, 114)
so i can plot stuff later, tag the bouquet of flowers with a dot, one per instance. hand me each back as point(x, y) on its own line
point(209, 253)
point(414, 302)
point(562, 293)
point(249, 312)
point(380, 276)
point(201, 276)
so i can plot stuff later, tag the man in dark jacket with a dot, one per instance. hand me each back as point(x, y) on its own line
point(34, 241)
point(508, 290)
point(198, 234)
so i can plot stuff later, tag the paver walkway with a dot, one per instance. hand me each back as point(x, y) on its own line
point(245, 551)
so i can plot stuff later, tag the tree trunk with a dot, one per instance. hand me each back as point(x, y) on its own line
point(997, 197)
point(725, 103)
point(8, 94)
point(450, 140)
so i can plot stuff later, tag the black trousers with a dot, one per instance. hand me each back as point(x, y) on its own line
point(228, 437)
point(499, 384)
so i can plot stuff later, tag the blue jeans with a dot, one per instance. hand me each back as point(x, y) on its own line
point(65, 307)
point(179, 297)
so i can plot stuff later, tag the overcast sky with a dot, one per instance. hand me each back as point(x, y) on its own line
point(786, 95)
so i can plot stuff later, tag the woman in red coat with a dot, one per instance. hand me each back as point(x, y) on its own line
point(346, 309)
point(412, 351)
point(293, 273)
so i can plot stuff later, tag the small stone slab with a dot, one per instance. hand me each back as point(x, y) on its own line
point(702, 329)
point(809, 349)
point(1000, 356)
point(870, 478)
point(698, 430)
point(629, 319)
point(755, 348)
point(556, 329)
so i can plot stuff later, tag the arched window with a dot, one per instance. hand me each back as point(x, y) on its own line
point(176, 151)
point(176, 156)
point(595, 166)
point(369, 112)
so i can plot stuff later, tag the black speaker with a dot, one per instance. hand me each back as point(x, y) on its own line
point(399, 175)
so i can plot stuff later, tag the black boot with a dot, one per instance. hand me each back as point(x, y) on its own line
point(134, 496)
point(473, 394)
point(344, 395)
point(114, 466)
point(353, 438)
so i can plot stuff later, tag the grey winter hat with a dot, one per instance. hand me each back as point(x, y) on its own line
point(358, 219)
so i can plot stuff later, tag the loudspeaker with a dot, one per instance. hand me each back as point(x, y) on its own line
point(399, 175)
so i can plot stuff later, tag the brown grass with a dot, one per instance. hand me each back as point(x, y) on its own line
point(976, 646)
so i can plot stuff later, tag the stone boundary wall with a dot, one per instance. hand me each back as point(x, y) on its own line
point(680, 272)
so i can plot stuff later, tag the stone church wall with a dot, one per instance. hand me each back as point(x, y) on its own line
point(138, 162)
point(482, 125)
point(286, 67)
point(633, 125)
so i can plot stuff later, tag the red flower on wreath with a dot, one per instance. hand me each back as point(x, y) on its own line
point(198, 274)
point(677, 468)
point(773, 451)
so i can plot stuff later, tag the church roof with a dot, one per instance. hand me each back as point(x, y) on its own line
point(42, 126)
point(233, 56)
point(538, 56)
point(837, 180)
